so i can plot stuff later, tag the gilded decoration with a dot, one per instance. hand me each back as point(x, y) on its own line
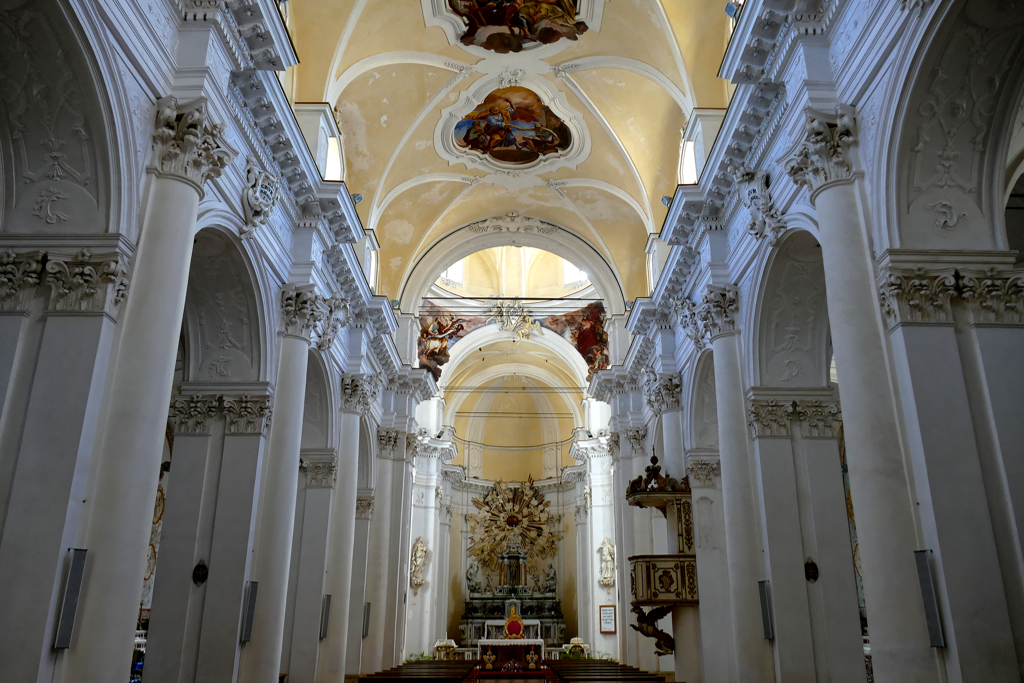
point(512, 516)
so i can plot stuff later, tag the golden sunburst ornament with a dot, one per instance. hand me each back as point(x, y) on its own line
point(510, 516)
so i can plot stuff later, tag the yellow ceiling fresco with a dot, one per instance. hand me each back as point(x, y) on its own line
point(625, 87)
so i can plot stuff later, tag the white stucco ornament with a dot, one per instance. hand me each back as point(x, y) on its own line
point(418, 564)
point(607, 567)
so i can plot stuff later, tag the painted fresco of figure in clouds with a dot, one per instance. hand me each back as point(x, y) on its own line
point(584, 329)
point(510, 25)
point(513, 125)
point(439, 329)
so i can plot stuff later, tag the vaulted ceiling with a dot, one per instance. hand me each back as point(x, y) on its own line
point(400, 79)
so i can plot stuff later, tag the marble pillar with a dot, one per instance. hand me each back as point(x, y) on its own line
point(806, 532)
point(343, 530)
point(301, 310)
point(751, 653)
point(360, 580)
point(309, 564)
point(877, 469)
point(188, 150)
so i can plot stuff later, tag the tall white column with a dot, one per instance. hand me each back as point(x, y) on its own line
point(878, 482)
point(343, 532)
point(309, 564)
point(423, 577)
point(360, 579)
point(752, 653)
point(301, 309)
point(378, 551)
point(187, 151)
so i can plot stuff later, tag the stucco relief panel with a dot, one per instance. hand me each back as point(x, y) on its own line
point(55, 186)
point(223, 311)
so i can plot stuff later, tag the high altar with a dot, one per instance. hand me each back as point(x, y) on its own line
point(513, 525)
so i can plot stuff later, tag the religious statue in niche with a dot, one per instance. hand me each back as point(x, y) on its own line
point(418, 564)
point(584, 329)
point(508, 25)
point(607, 569)
point(514, 126)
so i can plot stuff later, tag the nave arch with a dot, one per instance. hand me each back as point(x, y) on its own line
point(463, 241)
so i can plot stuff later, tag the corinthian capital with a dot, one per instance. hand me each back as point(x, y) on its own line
point(86, 283)
point(822, 156)
point(358, 392)
point(189, 414)
point(917, 296)
point(320, 473)
point(718, 310)
point(186, 146)
point(19, 275)
point(246, 414)
point(661, 393)
point(301, 310)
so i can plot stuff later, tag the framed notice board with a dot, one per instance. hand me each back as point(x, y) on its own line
point(607, 613)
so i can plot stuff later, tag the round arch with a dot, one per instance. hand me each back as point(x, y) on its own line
point(467, 240)
point(789, 315)
point(225, 316)
point(489, 335)
point(939, 191)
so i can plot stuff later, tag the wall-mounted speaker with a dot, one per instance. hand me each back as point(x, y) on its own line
point(69, 603)
point(366, 619)
point(931, 602)
point(249, 610)
point(766, 609)
point(325, 615)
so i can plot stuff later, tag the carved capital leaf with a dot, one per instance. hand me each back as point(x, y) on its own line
point(247, 414)
point(718, 310)
point(359, 392)
point(320, 474)
point(771, 418)
point(364, 507)
point(703, 472)
point(301, 310)
point(917, 296)
point(19, 275)
point(822, 155)
point(186, 145)
point(189, 414)
point(84, 282)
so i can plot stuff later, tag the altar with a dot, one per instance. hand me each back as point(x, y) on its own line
point(496, 652)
